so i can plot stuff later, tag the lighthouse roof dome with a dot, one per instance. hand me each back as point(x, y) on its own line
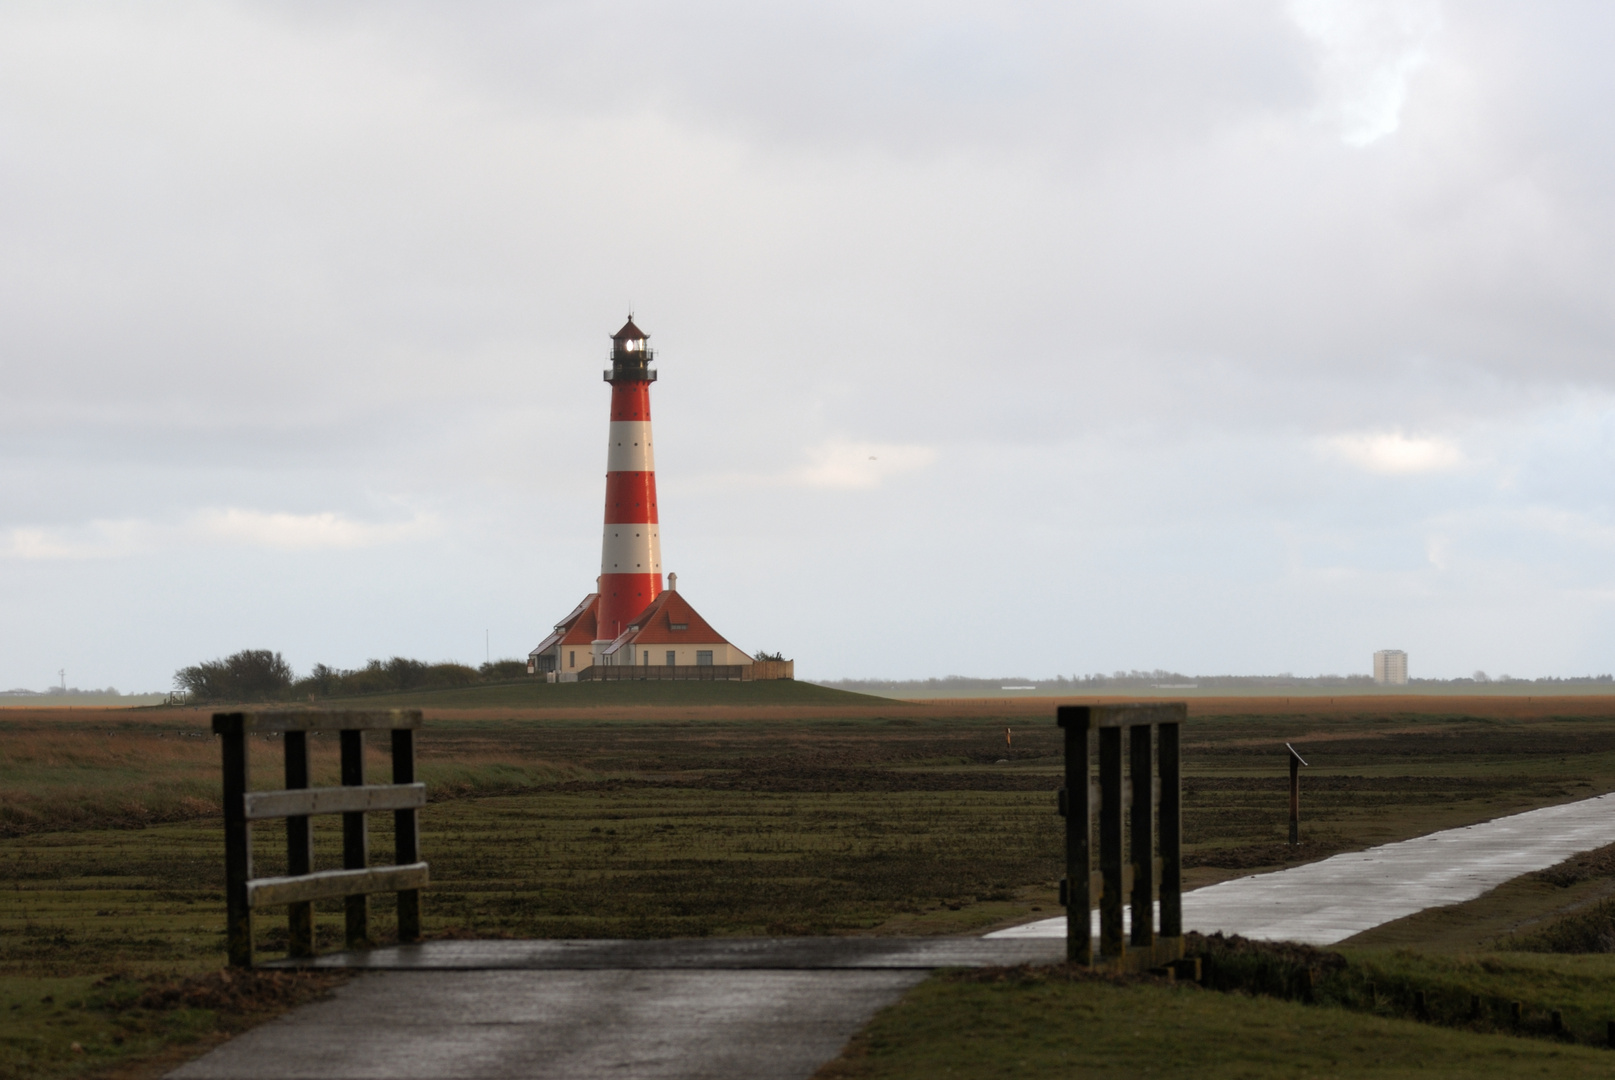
point(629, 332)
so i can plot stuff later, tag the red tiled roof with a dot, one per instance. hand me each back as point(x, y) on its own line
point(654, 625)
point(577, 628)
point(584, 630)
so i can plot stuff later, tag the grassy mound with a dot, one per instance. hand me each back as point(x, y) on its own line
point(536, 694)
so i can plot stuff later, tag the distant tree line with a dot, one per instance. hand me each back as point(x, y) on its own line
point(261, 675)
point(1160, 679)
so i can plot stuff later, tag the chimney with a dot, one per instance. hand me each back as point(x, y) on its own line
point(672, 583)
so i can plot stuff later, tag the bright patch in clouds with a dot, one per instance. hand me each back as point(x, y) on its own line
point(300, 532)
point(1370, 50)
point(1397, 453)
point(851, 465)
point(230, 526)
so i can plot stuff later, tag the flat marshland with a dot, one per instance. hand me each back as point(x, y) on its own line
point(652, 810)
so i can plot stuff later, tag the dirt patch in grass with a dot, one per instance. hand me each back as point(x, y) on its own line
point(228, 993)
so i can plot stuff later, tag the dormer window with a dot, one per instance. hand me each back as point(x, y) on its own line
point(679, 626)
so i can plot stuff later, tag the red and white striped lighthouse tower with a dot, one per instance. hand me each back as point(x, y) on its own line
point(631, 552)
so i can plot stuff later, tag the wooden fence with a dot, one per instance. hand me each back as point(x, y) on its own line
point(662, 673)
point(297, 803)
point(1139, 814)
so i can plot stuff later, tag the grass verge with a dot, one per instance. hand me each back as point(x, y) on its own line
point(132, 1027)
point(1053, 1022)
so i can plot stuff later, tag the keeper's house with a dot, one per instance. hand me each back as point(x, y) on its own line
point(668, 640)
point(570, 647)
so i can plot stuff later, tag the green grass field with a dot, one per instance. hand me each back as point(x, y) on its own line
point(1039, 1024)
point(701, 818)
point(536, 694)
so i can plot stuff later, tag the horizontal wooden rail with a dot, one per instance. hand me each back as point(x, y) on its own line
point(305, 720)
point(335, 884)
point(333, 800)
point(1129, 714)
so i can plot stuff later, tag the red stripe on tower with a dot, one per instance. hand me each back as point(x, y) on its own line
point(631, 550)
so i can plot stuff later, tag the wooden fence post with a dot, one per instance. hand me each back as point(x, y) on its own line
point(355, 839)
point(406, 839)
point(231, 729)
point(1078, 899)
point(1142, 830)
point(1171, 830)
point(299, 848)
point(1295, 795)
point(1112, 901)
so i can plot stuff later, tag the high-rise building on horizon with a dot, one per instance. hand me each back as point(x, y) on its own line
point(1391, 667)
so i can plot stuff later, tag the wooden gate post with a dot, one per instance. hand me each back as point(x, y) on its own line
point(1076, 891)
point(237, 842)
point(1112, 900)
point(355, 839)
point(1170, 826)
point(1142, 828)
point(406, 842)
point(1133, 828)
point(299, 848)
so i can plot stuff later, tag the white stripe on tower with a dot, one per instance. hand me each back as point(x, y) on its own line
point(630, 447)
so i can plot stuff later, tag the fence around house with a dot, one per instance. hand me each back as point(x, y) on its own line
point(298, 803)
point(755, 672)
point(663, 673)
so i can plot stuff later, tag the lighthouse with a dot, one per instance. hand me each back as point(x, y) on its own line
point(630, 627)
point(631, 548)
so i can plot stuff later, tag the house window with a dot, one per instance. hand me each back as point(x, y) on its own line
point(672, 658)
point(647, 658)
point(679, 625)
point(572, 658)
point(703, 658)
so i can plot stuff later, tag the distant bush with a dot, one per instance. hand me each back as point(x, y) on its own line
point(503, 669)
point(249, 675)
point(768, 656)
point(259, 675)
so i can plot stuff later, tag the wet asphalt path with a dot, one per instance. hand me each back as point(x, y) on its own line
point(1328, 901)
point(726, 1009)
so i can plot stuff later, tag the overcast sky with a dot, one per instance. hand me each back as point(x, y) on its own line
point(994, 338)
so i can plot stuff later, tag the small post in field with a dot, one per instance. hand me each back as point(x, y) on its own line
point(1295, 795)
